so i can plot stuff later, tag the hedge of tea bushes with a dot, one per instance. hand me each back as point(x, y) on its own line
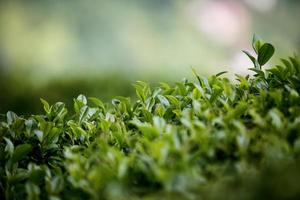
point(212, 138)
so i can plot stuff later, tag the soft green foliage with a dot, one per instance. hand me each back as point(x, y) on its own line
point(210, 139)
point(264, 52)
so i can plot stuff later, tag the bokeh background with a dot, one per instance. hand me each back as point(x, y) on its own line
point(57, 49)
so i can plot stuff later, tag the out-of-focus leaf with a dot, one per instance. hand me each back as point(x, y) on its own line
point(20, 152)
point(79, 102)
point(11, 117)
point(97, 102)
point(37, 176)
point(9, 146)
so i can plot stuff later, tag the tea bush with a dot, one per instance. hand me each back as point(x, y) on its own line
point(209, 139)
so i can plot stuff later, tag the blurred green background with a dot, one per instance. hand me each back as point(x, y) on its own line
point(57, 49)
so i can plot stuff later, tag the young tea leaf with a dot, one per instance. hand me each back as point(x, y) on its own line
point(265, 53)
point(9, 146)
point(256, 43)
point(11, 117)
point(46, 105)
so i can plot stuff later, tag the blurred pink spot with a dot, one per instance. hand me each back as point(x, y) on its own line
point(222, 21)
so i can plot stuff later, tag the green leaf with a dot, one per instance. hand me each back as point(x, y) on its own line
point(46, 105)
point(39, 134)
point(197, 76)
point(78, 132)
point(221, 73)
point(20, 152)
point(142, 90)
point(217, 91)
point(9, 146)
point(79, 102)
point(259, 72)
point(251, 57)
point(287, 64)
point(276, 118)
point(265, 53)
point(174, 101)
point(37, 176)
point(159, 110)
point(163, 100)
point(147, 130)
point(32, 190)
point(55, 185)
point(59, 111)
point(86, 113)
point(256, 43)
point(81, 98)
point(11, 117)
point(296, 64)
point(52, 136)
point(97, 102)
point(182, 89)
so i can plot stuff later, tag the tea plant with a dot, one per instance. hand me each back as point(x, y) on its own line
point(210, 139)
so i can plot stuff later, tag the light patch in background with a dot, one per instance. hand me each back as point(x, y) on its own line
point(136, 36)
point(240, 63)
point(221, 21)
point(262, 5)
point(28, 41)
point(108, 36)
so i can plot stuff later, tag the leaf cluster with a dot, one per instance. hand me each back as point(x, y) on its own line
point(190, 140)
